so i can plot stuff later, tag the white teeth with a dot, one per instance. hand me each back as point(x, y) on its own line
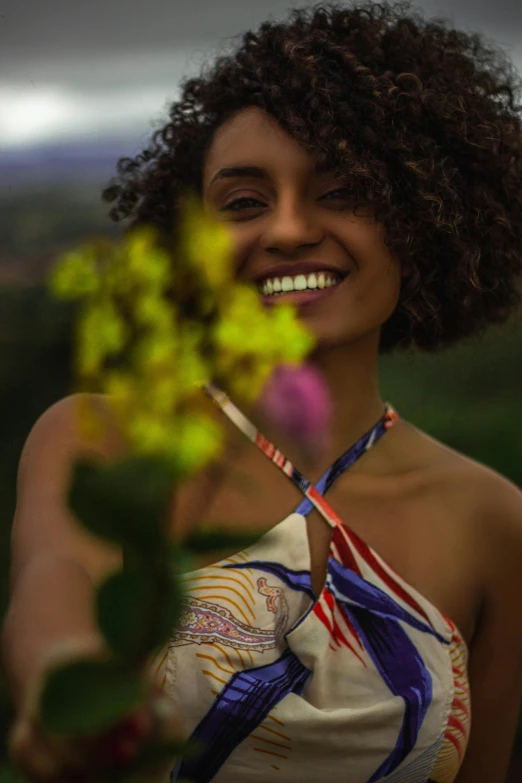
point(287, 284)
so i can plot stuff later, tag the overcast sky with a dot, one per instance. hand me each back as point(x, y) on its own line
point(73, 69)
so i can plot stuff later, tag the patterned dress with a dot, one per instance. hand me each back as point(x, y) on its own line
point(367, 682)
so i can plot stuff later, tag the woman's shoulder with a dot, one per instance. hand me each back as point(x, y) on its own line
point(486, 502)
point(488, 493)
point(81, 421)
point(60, 435)
point(485, 505)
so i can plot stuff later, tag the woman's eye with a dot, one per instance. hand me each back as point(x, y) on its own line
point(232, 205)
point(345, 191)
point(247, 202)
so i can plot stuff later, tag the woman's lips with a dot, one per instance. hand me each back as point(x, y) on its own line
point(301, 298)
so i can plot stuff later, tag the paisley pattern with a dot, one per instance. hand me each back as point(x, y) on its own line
point(205, 623)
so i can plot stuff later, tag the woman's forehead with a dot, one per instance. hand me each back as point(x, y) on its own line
point(254, 139)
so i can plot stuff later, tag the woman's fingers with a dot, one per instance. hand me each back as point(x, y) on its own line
point(46, 758)
point(39, 757)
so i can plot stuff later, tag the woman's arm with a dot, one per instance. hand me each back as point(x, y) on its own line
point(54, 563)
point(496, 650)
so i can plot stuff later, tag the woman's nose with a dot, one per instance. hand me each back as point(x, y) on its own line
point(289, 228)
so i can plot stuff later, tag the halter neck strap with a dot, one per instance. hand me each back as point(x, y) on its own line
point(313, 495)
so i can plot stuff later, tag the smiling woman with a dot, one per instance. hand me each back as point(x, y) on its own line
point(367, 164)
point(280, 203)
point(293, 208)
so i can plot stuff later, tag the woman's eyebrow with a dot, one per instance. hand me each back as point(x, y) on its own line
point(257, 171)
point(240, 171)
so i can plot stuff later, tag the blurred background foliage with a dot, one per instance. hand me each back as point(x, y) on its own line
point(468, 396)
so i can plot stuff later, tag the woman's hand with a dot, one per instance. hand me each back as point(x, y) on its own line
point(43, 757)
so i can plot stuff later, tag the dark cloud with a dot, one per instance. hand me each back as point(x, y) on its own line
point(71, 69)
point(66, 29)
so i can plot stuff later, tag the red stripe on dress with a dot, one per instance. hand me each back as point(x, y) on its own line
point(364, 550)
point(346, 538)
point(326, 509)
point(330, 600)
point(265, 445)
point(347, 557)
point(321, 616)
point(339, 536)
point(455, 742)
point(459, 704)
point(349, 625)
point(455, 723)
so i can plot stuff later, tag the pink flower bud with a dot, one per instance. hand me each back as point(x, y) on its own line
point(296, 400)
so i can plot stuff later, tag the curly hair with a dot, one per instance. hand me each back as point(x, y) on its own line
point(423, 117)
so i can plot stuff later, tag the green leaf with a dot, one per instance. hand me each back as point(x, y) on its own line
point(8, 774)
point(138, 609)
point(159, 752)
point(182, 561)
point(124, 502)
point(7, 714)
point(213, 538)
point(86, 696)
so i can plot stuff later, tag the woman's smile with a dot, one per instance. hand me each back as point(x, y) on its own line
point(299, 290)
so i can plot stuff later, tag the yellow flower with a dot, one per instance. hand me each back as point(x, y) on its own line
point(295, 341)
point(200, 440)
point(251, 341)
point(151, 435)
point(206, 245)
point(154, 311)
point(120, 387)
point(160, 354)
point(155, 351)
point(101, 332)
point(144, 261)
point(75, 274)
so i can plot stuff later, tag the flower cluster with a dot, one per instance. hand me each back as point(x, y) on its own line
point(155, 325)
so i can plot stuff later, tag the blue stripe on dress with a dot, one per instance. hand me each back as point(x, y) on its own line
point(242, 704)
point(297, 580)
point(377, 621)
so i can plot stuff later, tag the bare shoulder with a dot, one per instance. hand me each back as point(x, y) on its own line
point(494, 502)
point(58, 428)
point(43, 524)
point(480, 510)
point(490, 497)
point(495, 505)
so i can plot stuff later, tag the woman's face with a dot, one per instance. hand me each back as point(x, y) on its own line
point(295, 233)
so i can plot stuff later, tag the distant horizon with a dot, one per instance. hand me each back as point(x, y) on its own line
point(55, 162)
